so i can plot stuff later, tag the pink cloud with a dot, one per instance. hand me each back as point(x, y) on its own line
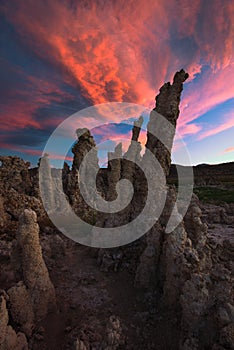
point(212, 91)
point(18, 112)
point(227, 124)
point(188, 129)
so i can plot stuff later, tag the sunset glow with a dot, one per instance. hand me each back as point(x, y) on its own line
point(59, 57)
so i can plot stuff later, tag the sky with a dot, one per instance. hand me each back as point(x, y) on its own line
point(58, 57)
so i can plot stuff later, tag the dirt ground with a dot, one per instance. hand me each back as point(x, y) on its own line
point(87, 297)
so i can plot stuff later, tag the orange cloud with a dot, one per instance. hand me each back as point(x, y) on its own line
point(229, 149)
point(106, 50)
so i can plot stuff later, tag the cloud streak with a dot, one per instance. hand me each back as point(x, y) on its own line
point(228, 150)
point(226, 124)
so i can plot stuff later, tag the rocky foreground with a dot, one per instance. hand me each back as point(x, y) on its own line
point(164, 291)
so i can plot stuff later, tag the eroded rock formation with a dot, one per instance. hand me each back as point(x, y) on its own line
point(33, 297)
point(9, 340)
point(187, 273)
point(82, 147)
point(181, 263)
point(34, 271)
point(113, 334)
point(167, 105)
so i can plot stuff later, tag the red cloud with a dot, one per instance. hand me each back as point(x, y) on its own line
point(107, 51)
point(122, 51)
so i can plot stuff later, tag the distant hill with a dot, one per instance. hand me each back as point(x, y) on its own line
point(207, 174)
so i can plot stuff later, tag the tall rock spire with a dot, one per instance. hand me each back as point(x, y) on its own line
point(167, 105)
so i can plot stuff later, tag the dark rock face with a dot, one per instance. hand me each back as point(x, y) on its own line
point(17, 192)
point(14, 174)
point(205, 174)
point(185, 276)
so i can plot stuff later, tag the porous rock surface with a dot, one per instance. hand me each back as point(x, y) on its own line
point(9, 340)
